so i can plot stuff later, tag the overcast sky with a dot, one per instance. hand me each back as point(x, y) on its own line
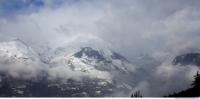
point(132, 27)
point(160, 28)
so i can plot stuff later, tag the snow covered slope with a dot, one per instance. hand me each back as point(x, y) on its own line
point(95, 63)
point(82, 71)
point(19, 60)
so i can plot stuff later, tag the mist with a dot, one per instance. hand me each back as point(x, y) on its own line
point(160, 29)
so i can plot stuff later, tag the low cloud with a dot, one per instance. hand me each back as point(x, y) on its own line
point(161, 29)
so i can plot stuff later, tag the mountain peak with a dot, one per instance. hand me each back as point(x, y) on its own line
point(99, 54)
point(187, 59)
point(118, 56)
point(89, 52)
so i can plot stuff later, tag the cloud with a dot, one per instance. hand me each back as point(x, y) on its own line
point(162, 29)
point(138, 28)
point(64, 73)
point(173, 78)
point(61, 24)
point(135, 26)
point(20, 61)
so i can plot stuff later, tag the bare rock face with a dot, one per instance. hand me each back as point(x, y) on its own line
point(187, 59)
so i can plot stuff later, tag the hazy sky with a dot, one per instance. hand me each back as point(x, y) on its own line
point(132, 27)
point(160, 28)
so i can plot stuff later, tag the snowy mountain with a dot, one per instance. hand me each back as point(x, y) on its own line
point(100, 59)
point(101, 64)
point(17, 59)
point(83, 71)
point(16, 49)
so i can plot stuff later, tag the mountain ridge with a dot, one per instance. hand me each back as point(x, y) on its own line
point(104, 70)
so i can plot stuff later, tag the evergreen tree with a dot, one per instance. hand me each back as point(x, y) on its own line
point(194, 91)
point(196, 82)
point(136, 94)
